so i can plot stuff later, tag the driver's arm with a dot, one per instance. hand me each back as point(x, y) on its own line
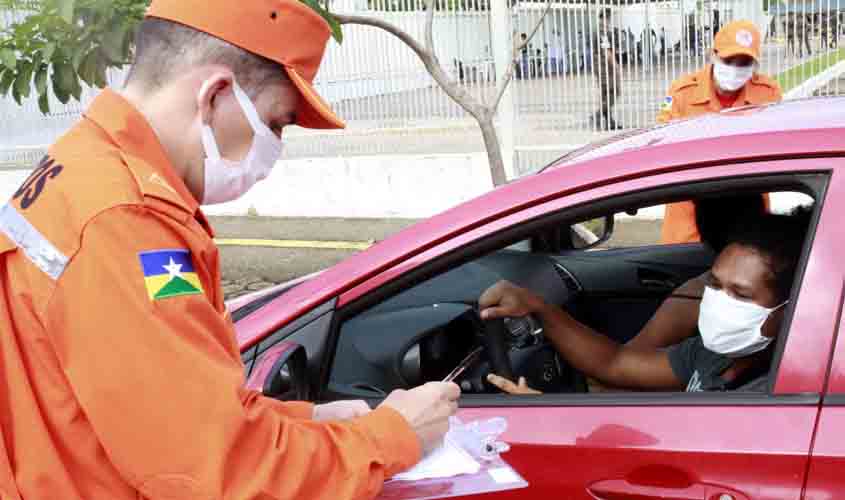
point(675, 320)
point(588, 351)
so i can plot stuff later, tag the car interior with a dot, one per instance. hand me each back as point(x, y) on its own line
point(594, 262)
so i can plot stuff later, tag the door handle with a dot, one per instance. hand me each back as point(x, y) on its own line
point(621, 489)
point(652, 278)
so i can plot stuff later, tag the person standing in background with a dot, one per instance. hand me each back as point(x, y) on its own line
point(730, 80)
point(608, 75)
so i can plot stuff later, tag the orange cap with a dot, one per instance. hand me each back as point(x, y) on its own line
point(738, 38)
point(285, 31)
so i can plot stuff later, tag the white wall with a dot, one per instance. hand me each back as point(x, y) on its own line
point(376, 187)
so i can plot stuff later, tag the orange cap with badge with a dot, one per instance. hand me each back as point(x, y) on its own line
point(285, 31)
point(738, 38)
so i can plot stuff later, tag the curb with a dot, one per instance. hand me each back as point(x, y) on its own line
point(322, 245)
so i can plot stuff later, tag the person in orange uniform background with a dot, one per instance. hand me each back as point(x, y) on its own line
point(730, 80)
point(120, 375)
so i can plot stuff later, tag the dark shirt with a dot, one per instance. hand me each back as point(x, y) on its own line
point(701, 369)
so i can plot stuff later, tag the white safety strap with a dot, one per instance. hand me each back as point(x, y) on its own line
point(35, 246)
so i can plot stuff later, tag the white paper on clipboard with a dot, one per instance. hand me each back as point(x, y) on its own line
point(492, 476)
point(447, 460)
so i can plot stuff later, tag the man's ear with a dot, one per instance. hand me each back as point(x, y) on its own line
point(216, 85)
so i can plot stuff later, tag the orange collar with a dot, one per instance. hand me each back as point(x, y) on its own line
point(134, 136)
point(706, 91)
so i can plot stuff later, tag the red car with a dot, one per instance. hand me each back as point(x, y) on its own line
point(401, 313)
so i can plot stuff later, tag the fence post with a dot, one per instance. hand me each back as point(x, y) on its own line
point(502, 43)
point(752, 10)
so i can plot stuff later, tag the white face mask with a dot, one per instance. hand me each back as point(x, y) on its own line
point(730, 326)
point(227, 180)
point(731, 78)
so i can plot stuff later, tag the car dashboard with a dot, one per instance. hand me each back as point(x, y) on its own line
point(423, 333)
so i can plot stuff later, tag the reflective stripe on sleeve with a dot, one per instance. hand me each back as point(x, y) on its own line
point(35, 246)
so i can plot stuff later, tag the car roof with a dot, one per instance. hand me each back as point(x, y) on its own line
point(745, 124)
point(800, 128)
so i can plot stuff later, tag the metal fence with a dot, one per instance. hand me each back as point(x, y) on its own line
point(394, 107)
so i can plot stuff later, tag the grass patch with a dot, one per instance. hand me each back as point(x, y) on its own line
point(794, 77)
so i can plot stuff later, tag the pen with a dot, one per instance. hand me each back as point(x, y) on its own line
point(463, 365)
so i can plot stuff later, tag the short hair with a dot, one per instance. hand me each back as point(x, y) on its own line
point(165, 49)
point(780, 238)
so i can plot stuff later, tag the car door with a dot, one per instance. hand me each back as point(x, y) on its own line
point(677, 445)
point(827, 460)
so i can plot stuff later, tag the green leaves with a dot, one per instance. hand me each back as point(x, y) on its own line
point(7, 57)
point(48, 52)
point(66, 10)
point(114, 42)
point(93, 69)
point(6, 81)
point(44, 103)
point(337, 31)
point(41, 80)
point(63, 43)
point(23, 82)
point(63, 81)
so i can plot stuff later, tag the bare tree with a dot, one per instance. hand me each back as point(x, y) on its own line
point(482, 109)
point(25, 62)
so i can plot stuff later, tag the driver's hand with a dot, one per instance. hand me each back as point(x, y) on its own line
point(504, 299)
point(507, 386)
point(340, 410)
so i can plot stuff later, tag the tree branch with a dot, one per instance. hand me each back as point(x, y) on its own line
point(508, 76)
point(429, 60)
point(429, 26)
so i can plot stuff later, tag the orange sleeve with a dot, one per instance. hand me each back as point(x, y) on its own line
point(679, 224)
point(670, 108)
point(664, 115)
point(162, 386)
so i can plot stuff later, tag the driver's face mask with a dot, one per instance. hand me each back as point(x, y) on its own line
point(227, 180)
point(730, 326)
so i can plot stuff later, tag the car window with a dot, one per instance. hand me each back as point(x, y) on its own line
point(612, 279)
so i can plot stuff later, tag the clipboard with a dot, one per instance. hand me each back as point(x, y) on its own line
point(495, 475)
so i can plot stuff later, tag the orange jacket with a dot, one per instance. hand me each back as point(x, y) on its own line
point(120, 380)
point(693, 95)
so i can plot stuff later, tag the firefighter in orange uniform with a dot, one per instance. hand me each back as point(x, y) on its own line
point(121, 375)
point(731, 80)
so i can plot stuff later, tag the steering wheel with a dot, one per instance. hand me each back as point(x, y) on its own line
point(492, 336)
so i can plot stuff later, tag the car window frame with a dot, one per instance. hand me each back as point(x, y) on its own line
point(813, 182)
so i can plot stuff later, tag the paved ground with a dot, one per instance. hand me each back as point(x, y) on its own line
point(251, 268)
point(246, 269)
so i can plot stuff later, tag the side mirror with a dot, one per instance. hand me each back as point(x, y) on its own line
point(591, 233)
point(281, 373)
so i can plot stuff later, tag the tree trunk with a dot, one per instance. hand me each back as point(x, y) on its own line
point(494, 150)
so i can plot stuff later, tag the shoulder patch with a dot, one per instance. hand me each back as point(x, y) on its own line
point(666, 105)
point(169, 273)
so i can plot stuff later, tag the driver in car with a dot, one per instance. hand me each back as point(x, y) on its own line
point(740, 315)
